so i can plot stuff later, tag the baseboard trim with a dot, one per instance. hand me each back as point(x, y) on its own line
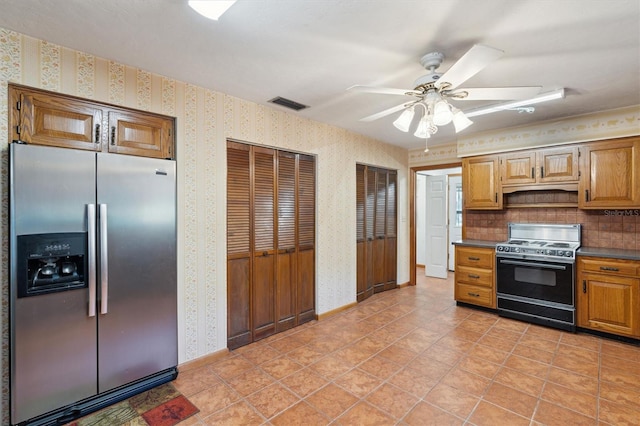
point(405, 284)
point(202, 361)
point(333, 312)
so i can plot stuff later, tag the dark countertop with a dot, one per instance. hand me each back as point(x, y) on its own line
point(476, 243)
point(609, 252)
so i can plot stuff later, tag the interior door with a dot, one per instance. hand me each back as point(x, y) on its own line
point(436, 215)
point(137, 309)
point(455, 216)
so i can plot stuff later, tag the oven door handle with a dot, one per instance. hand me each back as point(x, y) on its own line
point(532, 264)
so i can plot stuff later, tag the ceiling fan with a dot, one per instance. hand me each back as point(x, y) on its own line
point(433, 91)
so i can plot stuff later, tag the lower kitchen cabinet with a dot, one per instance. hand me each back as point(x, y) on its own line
point(474, 276)
point(608, 295)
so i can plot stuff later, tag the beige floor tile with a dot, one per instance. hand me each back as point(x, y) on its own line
point(364, 414)
point(487, 414)
point(511, 399)
point(332, 400)
point(392, 400)
point(425, 414)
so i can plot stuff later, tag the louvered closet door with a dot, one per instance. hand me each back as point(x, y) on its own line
point(239, 330)
point(286, 257)
point(361, 271)
point(391, 232)
point(306, 215)
point(380, 228)
point(263, 277)
point(370, 214)
point(376, 223)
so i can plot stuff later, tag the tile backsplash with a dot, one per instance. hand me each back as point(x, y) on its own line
point(615, 228)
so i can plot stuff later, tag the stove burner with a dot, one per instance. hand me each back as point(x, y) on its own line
point(559, 245)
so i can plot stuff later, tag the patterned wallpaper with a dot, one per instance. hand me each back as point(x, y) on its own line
point(204, 120)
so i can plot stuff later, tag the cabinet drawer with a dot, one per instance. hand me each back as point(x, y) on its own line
point(475, 257)
point(474, 294)
point(474, 276)
point(610, 266)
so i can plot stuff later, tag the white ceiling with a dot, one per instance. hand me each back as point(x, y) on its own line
point(310, 51)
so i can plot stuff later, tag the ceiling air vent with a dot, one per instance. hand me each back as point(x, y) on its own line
point(287, 103)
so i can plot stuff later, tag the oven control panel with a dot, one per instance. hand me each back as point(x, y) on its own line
point(535, 251)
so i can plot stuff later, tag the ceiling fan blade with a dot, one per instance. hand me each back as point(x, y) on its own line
point(494, 93)
point(383, 90)
point(386, 112)
point(476, 58)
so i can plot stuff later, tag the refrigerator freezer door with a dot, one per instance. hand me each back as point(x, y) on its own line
point(138, 332)
point(53, 339)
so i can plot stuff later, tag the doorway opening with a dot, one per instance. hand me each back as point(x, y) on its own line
point(435, 220)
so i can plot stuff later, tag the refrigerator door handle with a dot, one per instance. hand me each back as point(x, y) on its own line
point(104, 260)
point(91, 242)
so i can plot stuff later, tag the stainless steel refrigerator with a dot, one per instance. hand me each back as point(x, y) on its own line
point(93, 309)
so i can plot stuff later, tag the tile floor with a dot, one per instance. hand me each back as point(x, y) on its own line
point(412, 357)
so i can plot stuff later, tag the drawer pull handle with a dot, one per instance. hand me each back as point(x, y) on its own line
point(97, 134)
point(584, 286)
point(533, 172)
point(474, 258)
point(113, 135)
point(541, 172)
point(474, 276)
point(473, 294)
point(609, 268)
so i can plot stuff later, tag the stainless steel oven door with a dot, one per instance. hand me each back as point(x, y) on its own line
point(543, 280)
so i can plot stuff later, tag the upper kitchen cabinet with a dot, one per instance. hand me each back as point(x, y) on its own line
point(139, 133)
point(610, 174)
point(543, 166)
point(46, 118)
point(481, 183)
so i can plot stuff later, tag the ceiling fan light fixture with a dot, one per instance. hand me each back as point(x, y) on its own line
point(211, 9)
point(403, 122)
point(442, 114)
point(460, 121)
point(423, 129)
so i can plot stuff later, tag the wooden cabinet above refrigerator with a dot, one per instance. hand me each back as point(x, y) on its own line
point(47, 118)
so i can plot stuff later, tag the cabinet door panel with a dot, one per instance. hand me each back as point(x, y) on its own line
point(480, 183)
point(56, 121)
point(558, 165)
point(610, 175)
point(519, 168)
point(137, 133)
point(263, 297)
point(611, 304)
